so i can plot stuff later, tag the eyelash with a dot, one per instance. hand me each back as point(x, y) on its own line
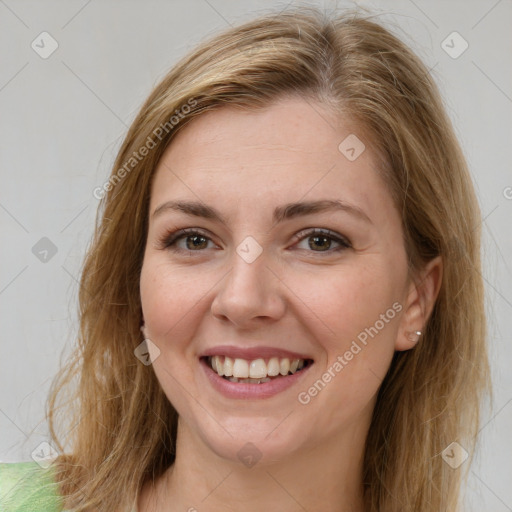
point(169, 239)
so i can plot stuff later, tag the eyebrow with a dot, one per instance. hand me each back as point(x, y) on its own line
point(281, 213)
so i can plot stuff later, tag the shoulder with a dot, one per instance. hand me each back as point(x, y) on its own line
point(25, 486)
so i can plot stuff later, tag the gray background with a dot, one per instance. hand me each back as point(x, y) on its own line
point(63, 118)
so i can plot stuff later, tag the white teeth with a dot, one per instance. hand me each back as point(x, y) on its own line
point(219, 365)
point(240, 369)
point(228, 366)
point(273, 367)
point(254, 381)
point(284, 366)
point(257, 369)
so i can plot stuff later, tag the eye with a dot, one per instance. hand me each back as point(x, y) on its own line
point(313, 240)
point(322, 240)
point(185, 240)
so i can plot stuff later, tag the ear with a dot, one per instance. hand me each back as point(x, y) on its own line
point(143, 329)
point(421, 297)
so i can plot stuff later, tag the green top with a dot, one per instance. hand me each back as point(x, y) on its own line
point(27, 487)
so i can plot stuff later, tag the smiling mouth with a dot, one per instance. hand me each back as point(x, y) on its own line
point(256, 371)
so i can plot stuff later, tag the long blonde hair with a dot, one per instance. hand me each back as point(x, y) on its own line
point(109, 408)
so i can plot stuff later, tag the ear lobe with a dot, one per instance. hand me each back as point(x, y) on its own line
point(423, 292)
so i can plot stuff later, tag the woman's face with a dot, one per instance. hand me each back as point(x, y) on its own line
point(293, 251)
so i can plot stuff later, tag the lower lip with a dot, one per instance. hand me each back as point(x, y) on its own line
point(243, 391)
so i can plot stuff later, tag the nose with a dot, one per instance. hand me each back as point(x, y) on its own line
point(250, 294)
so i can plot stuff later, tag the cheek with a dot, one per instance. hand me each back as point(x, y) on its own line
point(348, 301)
point(171, 299)
point(357, 355)
point(359, 315)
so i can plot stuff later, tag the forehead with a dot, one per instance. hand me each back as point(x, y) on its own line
point(290, 149)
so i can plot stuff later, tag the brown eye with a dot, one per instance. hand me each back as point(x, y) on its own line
point(319, 242)
point(186, 240)
point(195, 242)
point(322, 240)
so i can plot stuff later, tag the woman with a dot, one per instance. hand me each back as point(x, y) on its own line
point(282, 307)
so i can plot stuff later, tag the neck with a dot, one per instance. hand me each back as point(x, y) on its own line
point(326, 477)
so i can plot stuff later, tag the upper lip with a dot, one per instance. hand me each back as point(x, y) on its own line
point(251, 353)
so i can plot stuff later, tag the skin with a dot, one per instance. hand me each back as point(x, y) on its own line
point(310, 300)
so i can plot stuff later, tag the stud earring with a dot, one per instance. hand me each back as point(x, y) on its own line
point(415, 336)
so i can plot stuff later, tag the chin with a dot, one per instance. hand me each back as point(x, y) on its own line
point(261, 440)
